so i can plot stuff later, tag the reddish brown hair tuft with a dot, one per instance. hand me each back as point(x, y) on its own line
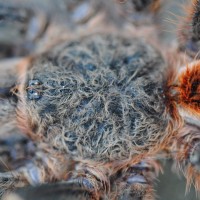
point(189, 89)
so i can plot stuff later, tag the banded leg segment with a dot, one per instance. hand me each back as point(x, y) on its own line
point(26, 23)
point(90, 178)
point(136, 182)
point(43, 167)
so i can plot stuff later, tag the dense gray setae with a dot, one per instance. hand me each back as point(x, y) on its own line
point(100, 96)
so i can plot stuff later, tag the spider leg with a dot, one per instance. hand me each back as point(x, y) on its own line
point(136, 182)
point(28, 24)
point(90, 178)
point(186, 153)
point(7, 112)
point(139, 12)
point(19, 158)
point(83, 182)
point(42, 167)
point(53, 191)
point(152, 5)
point(15, 151)
point(10, 145)
point(189, 30)
point(185, 101)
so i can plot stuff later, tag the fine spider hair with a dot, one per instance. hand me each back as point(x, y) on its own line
point(98, 93)
point(97, 104)
point(189, 29)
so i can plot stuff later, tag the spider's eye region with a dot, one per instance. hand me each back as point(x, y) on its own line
point(32, 90)
point(160, 90)
point(34, 82)
point(33, 94)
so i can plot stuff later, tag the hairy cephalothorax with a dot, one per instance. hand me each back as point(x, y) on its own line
point(98, 103)
point(105, 99)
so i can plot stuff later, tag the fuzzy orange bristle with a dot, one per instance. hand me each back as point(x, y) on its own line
point(193, 177)
point(189, 89)
point(155, 6)
point(170, 93)
point(191, 8)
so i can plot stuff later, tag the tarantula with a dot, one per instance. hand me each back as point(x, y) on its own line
point(98, 95)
